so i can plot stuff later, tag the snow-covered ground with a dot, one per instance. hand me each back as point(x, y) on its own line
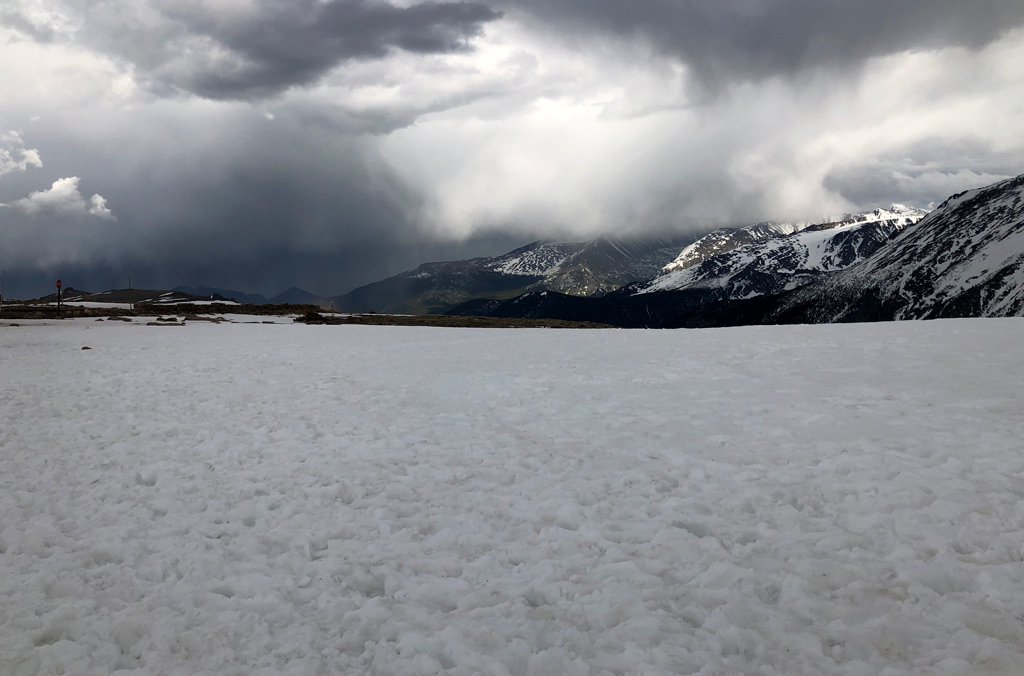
point(248, 499)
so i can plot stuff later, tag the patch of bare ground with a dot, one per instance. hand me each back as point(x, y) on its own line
point(188, 311)
point(445, 321)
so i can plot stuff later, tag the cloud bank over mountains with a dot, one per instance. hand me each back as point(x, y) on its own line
point(351, 137)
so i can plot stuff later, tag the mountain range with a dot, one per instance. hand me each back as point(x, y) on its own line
point(591, 268)
point(963, 259)
point(605, 266)
point(966, 259)
point(776, 257)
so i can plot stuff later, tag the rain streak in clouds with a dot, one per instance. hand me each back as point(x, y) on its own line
point(265, 143)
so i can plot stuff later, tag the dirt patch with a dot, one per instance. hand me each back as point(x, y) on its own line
point(445, 321)
point(186, 310)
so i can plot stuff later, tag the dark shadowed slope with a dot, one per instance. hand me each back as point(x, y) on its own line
point(575, 268)
point(239, 296)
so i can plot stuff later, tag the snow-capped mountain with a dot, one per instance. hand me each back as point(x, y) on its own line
point(965, 259)
point(588, 268)
point(769, 258)
point(704, 288)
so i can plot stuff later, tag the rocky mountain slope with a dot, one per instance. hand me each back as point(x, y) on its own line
point(779, 258)
point(965, 259)
point(724, 240)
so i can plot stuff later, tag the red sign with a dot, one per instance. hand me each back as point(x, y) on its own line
point(58, 283)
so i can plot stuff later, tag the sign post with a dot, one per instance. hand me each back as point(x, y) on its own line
point(58, 298)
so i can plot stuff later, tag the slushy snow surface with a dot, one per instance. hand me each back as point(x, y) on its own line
point(250, 499)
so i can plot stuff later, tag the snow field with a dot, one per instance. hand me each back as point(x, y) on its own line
point(229, 499)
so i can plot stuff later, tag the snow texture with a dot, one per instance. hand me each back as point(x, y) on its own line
point(229, 499)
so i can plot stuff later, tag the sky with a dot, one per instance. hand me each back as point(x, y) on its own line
point(259, 144)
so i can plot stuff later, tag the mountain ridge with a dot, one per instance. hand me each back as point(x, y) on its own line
point(793, 256)
point(209, 291)
point(589, 268)
point(964, 259)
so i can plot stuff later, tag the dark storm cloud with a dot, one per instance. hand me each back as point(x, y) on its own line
point(226, 51)
point(294, 43)
point(266, 207)
point(329, 273)
point(725, 40)
point(258, 51)
point(322, 192)
point(180, 199)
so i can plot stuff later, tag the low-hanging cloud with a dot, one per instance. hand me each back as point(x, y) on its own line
point(63, 200)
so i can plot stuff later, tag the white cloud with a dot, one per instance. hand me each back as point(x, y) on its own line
point(63, 199)
point(14, 156)
point(98, 207)
point(599, 144)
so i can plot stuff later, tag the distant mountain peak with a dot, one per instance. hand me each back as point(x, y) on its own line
point(219, 293)
point(906, 215)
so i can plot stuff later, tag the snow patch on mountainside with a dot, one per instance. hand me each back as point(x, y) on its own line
point(726, 239)
point(780, 258)
point(543, 259)
point(966, 258)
